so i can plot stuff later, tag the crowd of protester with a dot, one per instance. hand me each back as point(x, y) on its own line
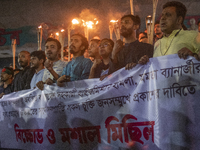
point(106, 56)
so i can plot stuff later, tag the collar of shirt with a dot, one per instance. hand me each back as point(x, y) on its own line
point(174, 32)
point(77, 59)
point(27, 67)
point(56, 62)
point(39, 71)
point(127, 44)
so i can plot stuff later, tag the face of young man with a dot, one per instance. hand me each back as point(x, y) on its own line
point(76, 45)
point(126, 29)
point(23, 59)
point(51, 50)
point(35, 62)
point(105, 48)
point(5, 76)
point(93, 49)
point(169, 20)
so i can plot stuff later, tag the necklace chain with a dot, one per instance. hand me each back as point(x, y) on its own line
point(169, 44)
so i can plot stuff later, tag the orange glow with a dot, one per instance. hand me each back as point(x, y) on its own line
point(89, 24)
point(75, 21)
point(84, 24)
point(62, 30)
point(57, 33)
point(113, 21)
point(40, 27)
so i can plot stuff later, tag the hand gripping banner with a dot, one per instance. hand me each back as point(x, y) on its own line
point(151, 107)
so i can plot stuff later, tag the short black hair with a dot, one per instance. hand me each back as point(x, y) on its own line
point(198, 22)
point(136, 19)
point(55, 40)
point(83, 40)
point(11, 70)
point(39, 54)
point(95, 40)
point(181, 10)
point(109, 40)
point(157, 22)
point(26, 52)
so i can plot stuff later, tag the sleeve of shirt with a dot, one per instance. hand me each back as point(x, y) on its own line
point(118, 65)
point(86, 71)
point(113, 66)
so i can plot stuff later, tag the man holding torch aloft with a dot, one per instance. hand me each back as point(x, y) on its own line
point(128, 55)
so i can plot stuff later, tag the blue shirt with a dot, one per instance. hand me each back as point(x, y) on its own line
point(36, 78)
point(78, 68)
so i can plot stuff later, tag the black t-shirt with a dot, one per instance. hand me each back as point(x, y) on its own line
point(100, 67)
point(131, 52)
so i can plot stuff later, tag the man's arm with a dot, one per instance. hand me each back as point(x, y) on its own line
point(114, 64)
point(117, 47)
point(93, 68)
point(49, 65)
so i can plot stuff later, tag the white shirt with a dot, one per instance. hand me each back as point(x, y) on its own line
point(58, 67)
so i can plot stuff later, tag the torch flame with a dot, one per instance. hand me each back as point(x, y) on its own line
point(57, 33)
point(40, 27)
point(89, 24)
point(62, 30)
point(114, 21)
point(75, 21)
point(84, 24)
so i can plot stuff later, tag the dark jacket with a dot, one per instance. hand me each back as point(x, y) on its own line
point(22, 80)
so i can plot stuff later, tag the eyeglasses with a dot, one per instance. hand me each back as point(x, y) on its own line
point(104, 45)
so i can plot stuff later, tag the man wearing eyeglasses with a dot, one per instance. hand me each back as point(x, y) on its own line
point(79, 67)
point(128, 55)
point(100, 67)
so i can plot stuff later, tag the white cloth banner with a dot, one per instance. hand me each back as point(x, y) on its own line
point(153, 106)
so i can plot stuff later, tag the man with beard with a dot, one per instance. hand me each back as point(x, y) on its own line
point(22, 80)
point(175, 39)
point(79, 67)
point(129, 54)
point(7, 74)
point(53, 65)
point(37, 62)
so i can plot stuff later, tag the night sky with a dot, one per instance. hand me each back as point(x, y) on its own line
point(14, 14)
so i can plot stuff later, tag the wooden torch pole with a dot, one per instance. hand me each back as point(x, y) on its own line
point(14, 51)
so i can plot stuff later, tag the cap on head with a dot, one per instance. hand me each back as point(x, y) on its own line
point(8, 70)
